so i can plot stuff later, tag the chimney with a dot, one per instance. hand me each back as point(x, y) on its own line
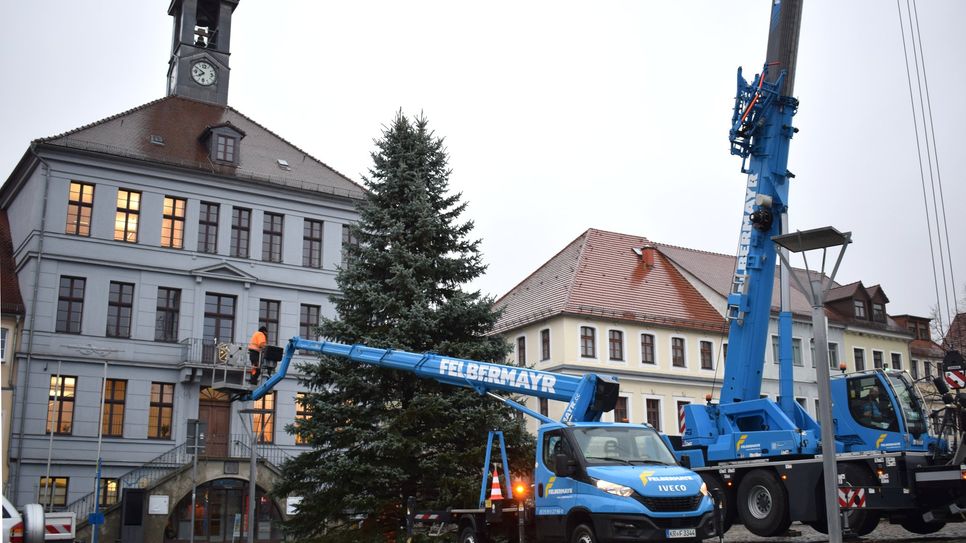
point(646, 252)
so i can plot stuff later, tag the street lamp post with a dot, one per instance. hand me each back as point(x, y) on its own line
point(251, 466)
point(800, 242)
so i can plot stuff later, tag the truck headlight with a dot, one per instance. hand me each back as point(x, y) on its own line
point(614, 488)
point(704, 489)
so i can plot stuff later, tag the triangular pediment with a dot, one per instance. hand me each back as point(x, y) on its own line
point(224, 271)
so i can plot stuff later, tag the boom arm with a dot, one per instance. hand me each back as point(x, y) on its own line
point(588, 396)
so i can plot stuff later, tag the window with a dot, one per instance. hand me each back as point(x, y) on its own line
point(803, 402)
point(168, 314)
point(225, 148)
point(817, 409)
point(878, 312)
point(859, 309)
point(647, 349)
point(677, 352)
point(208, 228)
point(797, 352)
point(219, 317)
point(833, 355)
point(545, 344)
point(264, 420)
point(724, 351)
point(587, 347)
point(859, 356)
point(272, 237)
point(126, 219)
point(60, 404)
point(308, 321)
point(3, 344)
point(652, 408)
point(172, 222)
point(241, 220)
point(681, 404)
point(312, 243)
point(120, 302)
point(348, 239)
point(79, 206)
point(914, 368)
point(544, 407)
point(53, 491)
point(70, 304)
point(161, 410)
point(877, 360)
point(707, 360)
point(268, 315)
point(615, 342)
point(301, 414)
point(923, 331)
point(897, 361)
point(620, 410)
point(521, 351)
point(927, 368)
point(112, 424)
point(774, 349)
point(108, 492)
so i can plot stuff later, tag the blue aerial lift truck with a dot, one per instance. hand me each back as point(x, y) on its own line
point(765, 456)
point(593, 481)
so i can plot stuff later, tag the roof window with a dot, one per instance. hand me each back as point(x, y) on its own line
point(283, 164)
point(156, 139)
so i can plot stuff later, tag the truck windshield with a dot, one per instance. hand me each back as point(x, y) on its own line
point(606, 445)
point(910, 403)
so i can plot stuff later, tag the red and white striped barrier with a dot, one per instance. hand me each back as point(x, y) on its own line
point(851, 498)
point(956, 378)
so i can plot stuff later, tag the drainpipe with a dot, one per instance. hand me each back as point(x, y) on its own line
point(30, 331)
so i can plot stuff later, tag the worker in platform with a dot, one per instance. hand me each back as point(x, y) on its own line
point(256, 346)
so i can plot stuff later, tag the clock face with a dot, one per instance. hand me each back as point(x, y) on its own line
point(203, 73)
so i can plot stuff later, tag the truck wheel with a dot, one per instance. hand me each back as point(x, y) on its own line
point(916, 525)
point(762, 504)
point(861, 521)
point(469, 535)
point(583, 534)
point(717, 489)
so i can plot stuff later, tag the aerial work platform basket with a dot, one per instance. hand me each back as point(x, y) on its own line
point(232, 370)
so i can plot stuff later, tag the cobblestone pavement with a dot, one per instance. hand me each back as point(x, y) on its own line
point(799, 533)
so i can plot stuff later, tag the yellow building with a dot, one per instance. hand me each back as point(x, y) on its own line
point(653, 315)
point(11, 323)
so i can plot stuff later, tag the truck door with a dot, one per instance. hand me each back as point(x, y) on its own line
point(555, 494)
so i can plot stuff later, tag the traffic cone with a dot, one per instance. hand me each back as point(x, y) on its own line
point(495, 492)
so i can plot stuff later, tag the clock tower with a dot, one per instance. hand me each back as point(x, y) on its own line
point(198, 67)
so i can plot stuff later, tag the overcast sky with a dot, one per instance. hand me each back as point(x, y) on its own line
point(558, 116)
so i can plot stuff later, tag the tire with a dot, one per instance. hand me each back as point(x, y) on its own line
point(728, 497)
point(468, 535)
point(861, 521)
point(916, 525)
point(583, 534)
point(762, 504)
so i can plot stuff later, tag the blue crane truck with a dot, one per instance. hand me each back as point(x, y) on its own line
point(593, 481)
point(764, 456)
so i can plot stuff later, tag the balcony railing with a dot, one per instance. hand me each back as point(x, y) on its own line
point(208, 352)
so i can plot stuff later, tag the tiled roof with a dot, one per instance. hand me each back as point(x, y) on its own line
point(844, 291)
point(181, 122)
point(921, 348)
point(10, 299)
point(956, 336)
point(717, 271)
point(599, 274)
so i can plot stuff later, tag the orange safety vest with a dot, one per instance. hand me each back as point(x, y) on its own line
point(258, 341)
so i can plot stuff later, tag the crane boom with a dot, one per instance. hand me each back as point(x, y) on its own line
point(588, 397)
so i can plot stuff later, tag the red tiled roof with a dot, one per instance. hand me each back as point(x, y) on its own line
point(844, 291)
point(181, 122)
point(598, 274)
point(921, 348)
point(10, 299)
point(956, 335)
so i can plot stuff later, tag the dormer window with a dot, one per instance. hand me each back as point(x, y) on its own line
point(224, 143)
point(878, 312)
point(860, 310)
point(225, 149)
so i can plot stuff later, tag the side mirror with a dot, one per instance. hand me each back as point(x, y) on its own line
point(564, 466)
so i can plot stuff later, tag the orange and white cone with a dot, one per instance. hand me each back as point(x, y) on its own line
point(495, 492)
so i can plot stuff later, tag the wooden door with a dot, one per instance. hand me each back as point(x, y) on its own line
point(215, 410)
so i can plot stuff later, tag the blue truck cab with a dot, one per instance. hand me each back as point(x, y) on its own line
point(620, 481)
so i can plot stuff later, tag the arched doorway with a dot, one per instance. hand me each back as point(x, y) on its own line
point(221, 515)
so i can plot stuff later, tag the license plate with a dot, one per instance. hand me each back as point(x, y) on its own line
point(681, 532)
